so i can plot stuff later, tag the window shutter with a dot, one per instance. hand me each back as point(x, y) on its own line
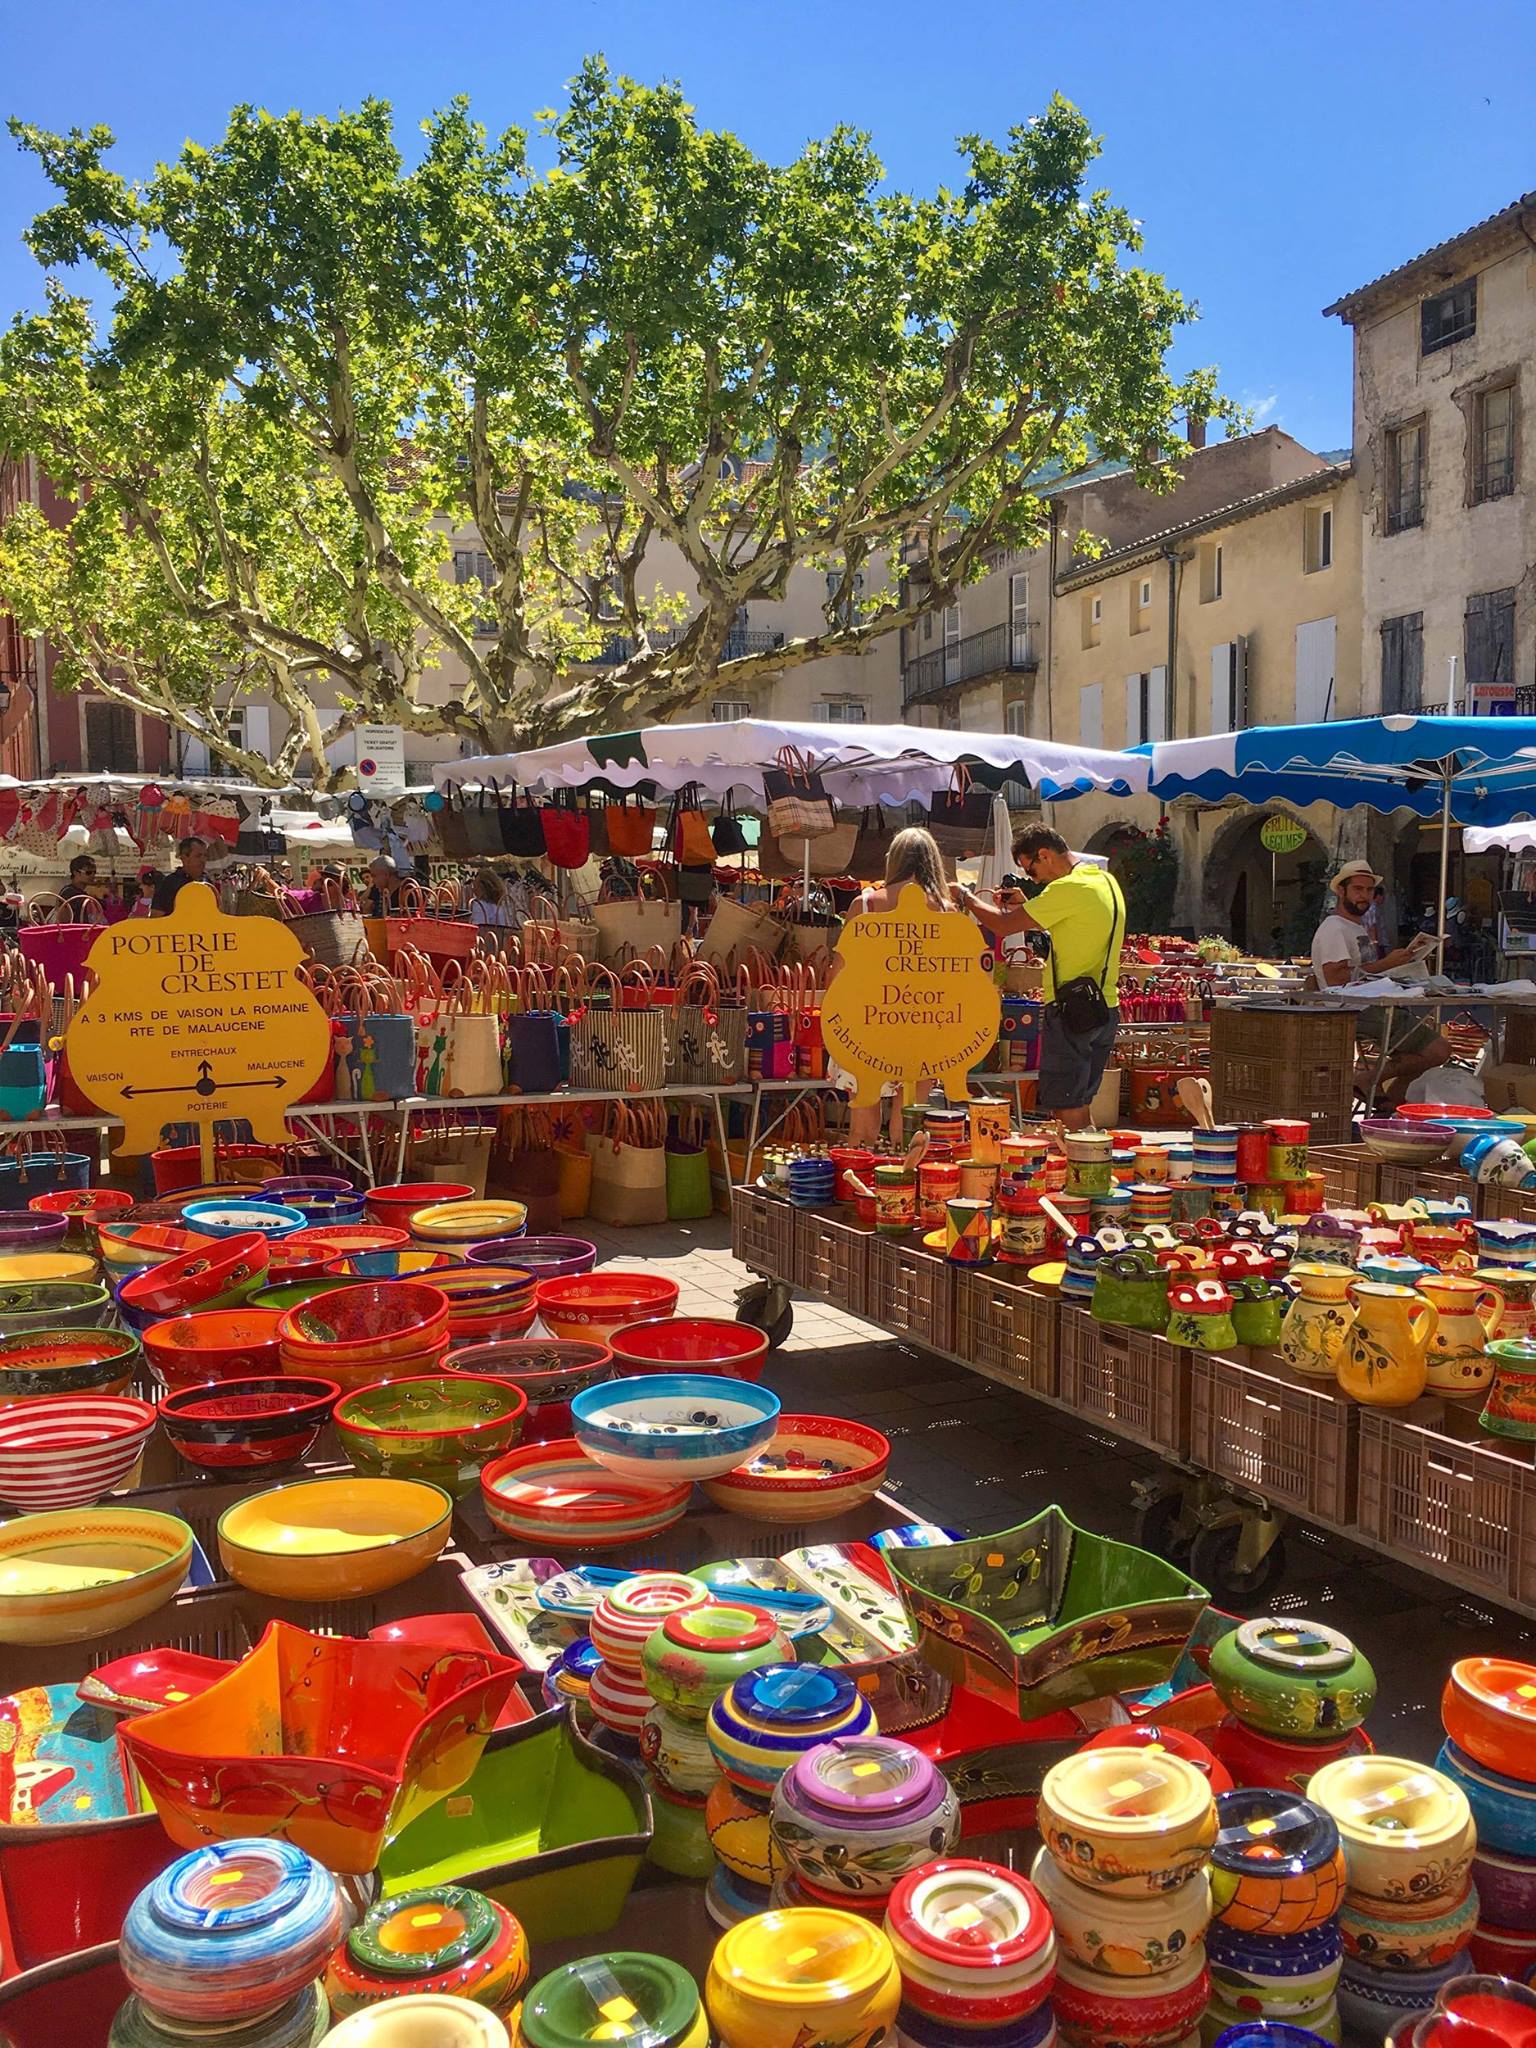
point(1090, 715)
point(1314, 671)
point(1221, 687)
point(1135, 730)
point(258, 729)
point(1157, 704)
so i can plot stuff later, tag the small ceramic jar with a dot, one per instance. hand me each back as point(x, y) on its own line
point(918, 2029)
point(1298, 1680)
point(1408, 1938)
point(1153, 1735)
point(1273, 1977)
point(695, 1656)
point(1133, 1821)
point(1130, 1290)
point(1510, 1409)
point(1278, 1864)
point(895, 1200)
point(1503, 1951)
point(782, 1980)
point(1119, 1936)
point(619, 1699)
point(772, 1716)
point(1328, 1240)
point(627, 1615)
point(1407, 1831)
point(621, 1997)
point(679, 1841)
point(938, 1183)
point(1372, 2001)
point(1200, 1315)
point(974, 1944)
point(739, 1834)
point(1489, 1712)
point(676, 1748)
point(1504, 1809)
point(1506, 1887)
point(1152, 2012)
point(1255, 1759)
point(440, 1938)
point(1258, 1311)
point(856, 1814)
point(569, 1678)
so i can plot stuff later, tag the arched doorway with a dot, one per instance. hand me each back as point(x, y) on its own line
point(1146, 865)
point(1267, 903)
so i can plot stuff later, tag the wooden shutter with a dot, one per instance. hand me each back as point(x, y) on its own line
point(1490, 646)
point(1402, 663)
point(1135, 710)
point(1090, 715)
point(1157, 704)
point(1314, 671)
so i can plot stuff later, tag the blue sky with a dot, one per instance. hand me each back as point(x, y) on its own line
point(1277, 154)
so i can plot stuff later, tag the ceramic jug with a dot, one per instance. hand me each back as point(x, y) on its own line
point(1510, 1409)
point(1318, 1319)
point(1517, 1284)
point(1384, 1360)
point(1504, 1243)
point(1469, 1310)
point(1326, 1239)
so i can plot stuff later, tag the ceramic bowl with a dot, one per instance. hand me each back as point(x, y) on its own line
point(552, 1494)
point(229, 1929)
point(696, 1655)
point(659, 1998)
point(396, 1203)
point(131, 1245)
point(736, 1825)
point(411, 1262)
point(673, 1426)
point(810, 1974)
point(41, 1305)
point(974, 1943)
point(442, 1428)
point(1408, 1938)
point(31, 1230)
point(426, 2019)
point(218, 1344)
point(1294, 1679)
point(486, 1302)
point(1506, 1885)
point(591, 1306)
point(626, 1615)
point(1131, 1821)
point(278, 1297)
point(249, 1424)
point(68, 1452)
point(322, 1207)
point(1503, 1808)
point(277, 1187)
point(855, 1814)
point(815, 1467)
point(1278, 1866)
point(1407, 1830)
point(1118, 1935)
point(1155, 1735)
point(1408, 1144)
point(334, 1538)
point(333, 1743)
point(1153, 2012)
point(549, 1370)
point(707, 1344)
point(768, 1718)
point(82, 1209)
point(470, 1220)
point(1503, 1951)
point(1273, 1977)
point(1489, 1711)
point(372, 1323)
point(439, 1938)
point(917, 2029)
point(328, 1242)
point(17, 1268)
point(552, 1258)
point(239, 1219)
point(77, 1573)
point(219, 1274)
point(68, 1362)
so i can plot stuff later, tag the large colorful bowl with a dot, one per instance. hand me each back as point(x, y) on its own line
point(444, 1428)
point(1415, 1142)
point(1407, 1830)
point(550, 1371)
point(1489, 1711)
point(1296, 1679)
point(487, 1302)
point(1503, 1808)
point(327, 1539)
point(66, 1362)
point(810, 1974)
point(815, 1467)
point(78, 1573)
point(280, 1186)
point(323, 1207)
point(591, 1306)
point(333, 1743)
point(575, 2004)
point(552, 1494)
point(240, 1219)
point(18, 1269)
point(471, 1220)
point(372, 1323)
point(83, 1209)
point(283, 1295)
point(711, 1344)
point(1134, 1822)
point(30, 1230)
point(218, 1344)
point(333, 1241)
point(248, 1425)
point(73, 1998)
point(411, 1262)
point(42, 1305)
point(551, 1258)
point(220, 1274)
point(1278, 1865)
point(128, 1247)
point(68, 1452)
point(396, 1203)
point(438, 1938)
point(674, 1426)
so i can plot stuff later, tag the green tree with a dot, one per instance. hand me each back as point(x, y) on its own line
point(315, 360)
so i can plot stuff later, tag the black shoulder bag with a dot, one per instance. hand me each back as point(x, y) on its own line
point(1082, 1004)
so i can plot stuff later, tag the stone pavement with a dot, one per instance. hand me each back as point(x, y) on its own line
point(976, 1455)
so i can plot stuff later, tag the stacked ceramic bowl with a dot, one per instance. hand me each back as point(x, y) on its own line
point(441, 1939)
point(977, 1955)
point(853, 1816)
point(622, 1622)
point(1277, 1884)
point(645, 2000)
point(231, 1940)
point(1489, 1711)
point(1295, 1694)
point(378, 1330)
point(1410, 1910)
point(1127, 1832)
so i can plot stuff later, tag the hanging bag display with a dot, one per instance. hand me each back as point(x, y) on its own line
point(629, 1164)
point(961, 816)
point(567, 832)
point(480, 817)
point(452, 832)
point(689, 1195)
point(522, 827)
point(726, 835)
point(688, 834)
point(797, 800)
point(612, 1047)
point(631, 828)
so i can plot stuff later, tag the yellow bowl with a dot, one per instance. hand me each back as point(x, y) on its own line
point(1407, 1830)
point(325, 1538)
point(71, 1575)
point(23, 1266)
point(805, 1974)
point(468, 1222)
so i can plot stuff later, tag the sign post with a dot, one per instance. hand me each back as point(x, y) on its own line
point(197, 1018)
point(914, 998)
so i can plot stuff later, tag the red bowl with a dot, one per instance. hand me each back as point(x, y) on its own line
point(372, 1321)
point(220, 1344)
point(1254, 1758)
point(398, 1202)
point(249, 1424)
point(591, 1306)
point(329, 1241)
point(1431, 1112)
point(1176, 1741)
point(83, 1206)
point(733, 1351)
point(220, 1266)
point(549, 1370)
point(1489, 1710)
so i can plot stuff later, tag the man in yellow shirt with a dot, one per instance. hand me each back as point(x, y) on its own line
point(1082, 909)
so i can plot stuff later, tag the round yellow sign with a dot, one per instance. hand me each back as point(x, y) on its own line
point(1282, 835)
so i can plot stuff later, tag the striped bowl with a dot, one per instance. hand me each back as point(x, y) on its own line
point(69, 1451)
point(552, 1493)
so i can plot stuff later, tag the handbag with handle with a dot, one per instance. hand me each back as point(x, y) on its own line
point(735, 929)
point(796, 796)
point(534, 1064)
point(629, 1164)
point(521, 824)
point(567, 831)
point(526, 1166)
point(612, 1047)
point(376, 1044)
point(424, 924)
point(480, 819)
point(830, 852)
point(689, 1194)
point(333, 937)
point(61, 934)
point(631, 828)
point(548, 937)
point(726, 834)
point(689, 837)
point(706, 1036)
point(574, 1163)
point(630, 925)
point(960, 817)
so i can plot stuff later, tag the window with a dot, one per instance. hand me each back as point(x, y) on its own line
point(842, 711)
point(1229, 686)
point(1097, 611)
point(111, 735)
point(726, 710)
point(1405, 476)
point(1449, 318)
point(1210, 571)
point(473, 565)
point(1493, 443)
point(1317, 539)
point(1090, 715)
point(1141, 604)
point(1018, 620)
point(952, 643)
point(1093, 618)
point(1402, 663)
point(927, 625)
point(1490, 650)
point(1016, 718)
point(1145, 588)
point(1146, 707)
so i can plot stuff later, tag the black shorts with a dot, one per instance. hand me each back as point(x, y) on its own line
point(1072, 1068)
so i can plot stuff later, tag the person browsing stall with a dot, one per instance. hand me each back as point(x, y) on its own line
point(1343, 949)
point(191, 866)
point(82, 879)
point(1082, 909)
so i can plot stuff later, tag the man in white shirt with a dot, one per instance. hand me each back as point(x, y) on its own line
point(1342, 949)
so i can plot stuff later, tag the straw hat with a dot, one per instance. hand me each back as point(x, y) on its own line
point(1348, 872)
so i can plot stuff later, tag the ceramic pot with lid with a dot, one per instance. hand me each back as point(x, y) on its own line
point(1298, 1680)
point(856, 1814)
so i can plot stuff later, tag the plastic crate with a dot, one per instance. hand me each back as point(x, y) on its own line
point(832, 1261)
point(1509, 1205)
point(1293, 1442)
point(910, 1292)
point(763, 1232)
point(1008, 1328)
point(1462, 1511)
point(1350, 1174)
point(1277, 1062)
point(1136, 1384)
point(1439, 1183)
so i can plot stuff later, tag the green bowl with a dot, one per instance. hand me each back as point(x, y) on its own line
point(55, 1305)
point(440, 1427)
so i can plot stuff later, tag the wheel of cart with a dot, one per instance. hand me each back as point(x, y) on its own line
point(1232, 1542)
point(767, 1306)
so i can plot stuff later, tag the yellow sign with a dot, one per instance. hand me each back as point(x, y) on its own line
point(194, 1018)
point(1281, 834)
point(914, 998)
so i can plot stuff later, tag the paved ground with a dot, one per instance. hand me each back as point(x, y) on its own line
point(976, 1455)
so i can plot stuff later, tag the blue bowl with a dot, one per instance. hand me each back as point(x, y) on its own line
point(674, 1425)
point(1372, 2001)
point(230, 1219)
point(1269, 2034)
point(1504, 1808)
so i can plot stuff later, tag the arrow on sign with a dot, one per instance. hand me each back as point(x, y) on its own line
point(205, 1085)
